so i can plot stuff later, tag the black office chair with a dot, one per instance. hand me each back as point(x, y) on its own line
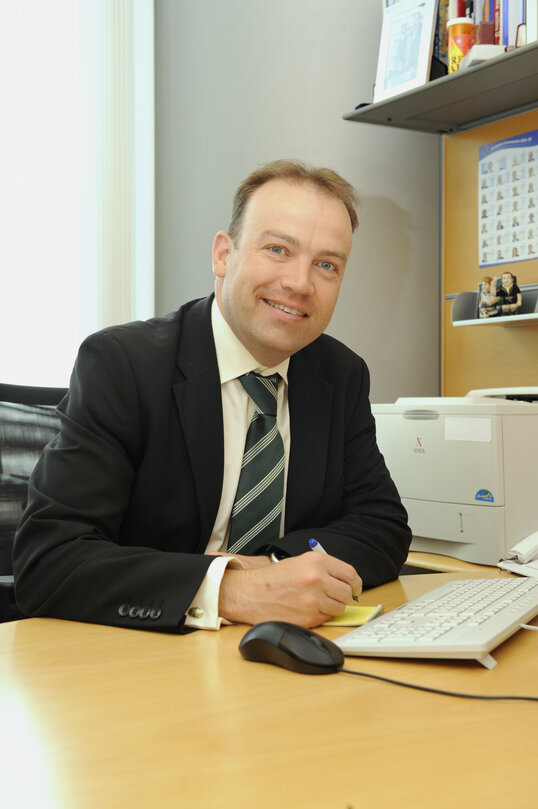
point(28, 420)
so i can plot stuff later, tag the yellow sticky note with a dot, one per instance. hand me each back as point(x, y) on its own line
point(355, 616)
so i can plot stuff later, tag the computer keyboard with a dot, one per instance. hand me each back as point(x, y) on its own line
point(465, 618)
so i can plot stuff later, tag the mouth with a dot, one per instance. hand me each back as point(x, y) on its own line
point(288, 309)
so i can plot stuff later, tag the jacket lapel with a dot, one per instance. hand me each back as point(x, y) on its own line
point(310, 399)
point(199, 404)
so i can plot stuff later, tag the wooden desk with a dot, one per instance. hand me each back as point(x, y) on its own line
point(446, 564)
point(102, 718)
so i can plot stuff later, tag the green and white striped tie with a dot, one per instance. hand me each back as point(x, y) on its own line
point(257, 509)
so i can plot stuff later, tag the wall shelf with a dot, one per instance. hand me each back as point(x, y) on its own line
point(465, 306)
point(503, 86)
point(512, 320)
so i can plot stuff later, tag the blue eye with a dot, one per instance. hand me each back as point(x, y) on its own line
point(278, 251)
point(326, 265)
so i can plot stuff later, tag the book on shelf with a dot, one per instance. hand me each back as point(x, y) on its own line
point(511, 23)
point(531, 21)
point(511, 18)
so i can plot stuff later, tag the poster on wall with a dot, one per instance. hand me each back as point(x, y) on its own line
point(507, 183)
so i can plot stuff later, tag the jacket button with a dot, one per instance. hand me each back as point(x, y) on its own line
point(155, 613)
point(123, 610)
point(134, 612)
point(144, 612)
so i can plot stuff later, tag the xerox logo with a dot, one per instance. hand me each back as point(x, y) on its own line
point(418, 446)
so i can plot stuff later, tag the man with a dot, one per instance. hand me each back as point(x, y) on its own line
point(131, 508)
point(509, 294)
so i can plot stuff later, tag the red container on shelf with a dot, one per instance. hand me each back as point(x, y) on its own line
point(460, 41)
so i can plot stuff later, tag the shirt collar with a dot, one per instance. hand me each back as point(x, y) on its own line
point(233, 358)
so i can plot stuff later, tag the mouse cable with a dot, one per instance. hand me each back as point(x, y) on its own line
point(438, 690)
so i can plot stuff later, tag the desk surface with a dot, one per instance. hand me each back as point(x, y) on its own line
point(446, 564)
point(102, 718)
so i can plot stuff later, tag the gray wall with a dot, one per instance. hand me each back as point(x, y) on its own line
point(241, 82)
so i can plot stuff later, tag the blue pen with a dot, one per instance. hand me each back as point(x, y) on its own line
point(315, 546)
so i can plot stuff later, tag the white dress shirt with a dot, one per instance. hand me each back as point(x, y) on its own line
point(237, 410)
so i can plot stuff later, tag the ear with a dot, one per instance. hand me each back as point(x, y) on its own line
point(222, 247)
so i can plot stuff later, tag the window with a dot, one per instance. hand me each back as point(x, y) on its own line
point(77, 168)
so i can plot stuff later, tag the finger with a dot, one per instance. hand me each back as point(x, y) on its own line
point(346, 573)
point(337, 590)
point(337, 570)
point(356, 588)
point(331, 608)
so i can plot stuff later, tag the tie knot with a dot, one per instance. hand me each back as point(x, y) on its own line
point(262, 390)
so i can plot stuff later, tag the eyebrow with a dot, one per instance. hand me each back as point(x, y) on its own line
point(275, 234)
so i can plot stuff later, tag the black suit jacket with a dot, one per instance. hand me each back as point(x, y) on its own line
point(123, 501)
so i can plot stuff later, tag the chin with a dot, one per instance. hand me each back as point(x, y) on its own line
point(285, 351)
point(279, 346)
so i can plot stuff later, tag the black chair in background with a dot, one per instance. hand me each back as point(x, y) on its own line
point(28, 421)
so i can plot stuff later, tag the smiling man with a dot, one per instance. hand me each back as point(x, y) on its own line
point(278, 279)
point(198, 453)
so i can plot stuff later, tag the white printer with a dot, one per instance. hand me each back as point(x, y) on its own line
point(466, 469)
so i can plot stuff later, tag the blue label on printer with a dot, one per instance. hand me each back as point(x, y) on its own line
point(484, 495)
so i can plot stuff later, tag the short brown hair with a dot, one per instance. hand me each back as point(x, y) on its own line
point(325, 180)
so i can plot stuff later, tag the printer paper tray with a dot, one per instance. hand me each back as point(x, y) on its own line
point(472, 533)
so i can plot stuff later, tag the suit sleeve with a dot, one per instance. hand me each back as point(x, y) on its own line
point(68, 560)
point(368, 524)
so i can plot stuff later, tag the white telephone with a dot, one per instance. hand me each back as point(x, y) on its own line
point(523, 557)
point(526, 550)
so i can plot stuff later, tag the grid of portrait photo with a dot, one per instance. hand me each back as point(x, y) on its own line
point(507, 199)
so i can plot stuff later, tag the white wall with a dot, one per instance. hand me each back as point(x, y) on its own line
point(241, 82)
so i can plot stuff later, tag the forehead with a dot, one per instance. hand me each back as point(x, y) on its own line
point(281, 203)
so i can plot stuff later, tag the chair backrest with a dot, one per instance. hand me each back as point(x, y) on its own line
point(28, 421)
point(30, 395)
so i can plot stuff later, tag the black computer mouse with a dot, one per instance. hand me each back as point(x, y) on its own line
point(292, 647)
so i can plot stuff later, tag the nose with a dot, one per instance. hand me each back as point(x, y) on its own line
point(299, 278)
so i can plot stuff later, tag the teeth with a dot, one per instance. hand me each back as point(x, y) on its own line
point(285, 308)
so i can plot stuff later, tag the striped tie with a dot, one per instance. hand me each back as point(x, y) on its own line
point(257, 509)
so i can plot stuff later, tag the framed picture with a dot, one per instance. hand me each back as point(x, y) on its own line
point(405, 51)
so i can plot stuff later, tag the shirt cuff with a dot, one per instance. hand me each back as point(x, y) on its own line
point(203, 612)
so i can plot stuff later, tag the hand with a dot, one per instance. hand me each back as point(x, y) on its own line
point(305, 590)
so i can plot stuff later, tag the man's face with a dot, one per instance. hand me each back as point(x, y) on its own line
point(507, 279)
point(278, 284)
